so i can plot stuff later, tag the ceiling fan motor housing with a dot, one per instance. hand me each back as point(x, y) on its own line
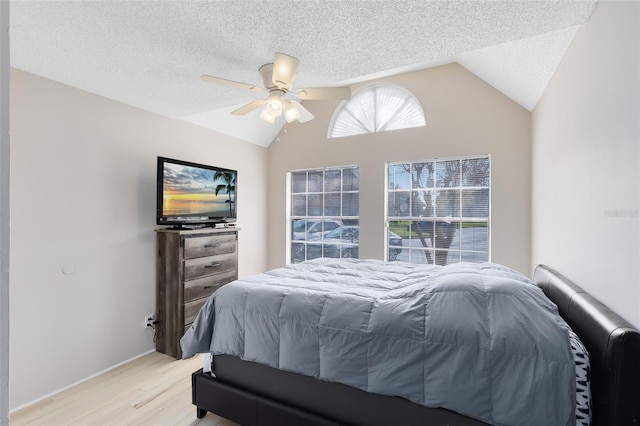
point(266, 72)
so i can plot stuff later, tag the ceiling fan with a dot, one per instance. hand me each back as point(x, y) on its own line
point(278, 81)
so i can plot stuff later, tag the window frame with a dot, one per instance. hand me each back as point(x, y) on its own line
point(344, 219)
point(434, 218)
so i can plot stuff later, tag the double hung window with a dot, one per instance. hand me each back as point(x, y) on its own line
point(438, 210)
point(324, 213)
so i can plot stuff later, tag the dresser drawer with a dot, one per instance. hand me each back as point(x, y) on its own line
point(203, 287)
point(203, 266)
point(191, 310)
point(209, 245)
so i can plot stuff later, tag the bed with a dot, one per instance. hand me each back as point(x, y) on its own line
point(252, 393)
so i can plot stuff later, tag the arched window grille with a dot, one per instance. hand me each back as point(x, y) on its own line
point(377, 108)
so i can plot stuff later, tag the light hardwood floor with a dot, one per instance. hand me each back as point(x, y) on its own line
point(152, 390)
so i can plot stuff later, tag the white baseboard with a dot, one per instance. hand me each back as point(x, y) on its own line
point(79, 381)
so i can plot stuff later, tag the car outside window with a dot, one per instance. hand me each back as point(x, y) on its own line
point(322, 200)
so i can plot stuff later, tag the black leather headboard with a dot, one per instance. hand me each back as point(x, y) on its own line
point(613, 345)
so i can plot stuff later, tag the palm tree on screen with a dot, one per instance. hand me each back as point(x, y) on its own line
point(229, 186)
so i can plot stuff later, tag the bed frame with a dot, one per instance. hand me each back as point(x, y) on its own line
point(252, 394)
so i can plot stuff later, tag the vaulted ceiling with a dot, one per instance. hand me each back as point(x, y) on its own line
point(150, 54)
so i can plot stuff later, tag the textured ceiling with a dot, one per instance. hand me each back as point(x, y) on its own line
point(150, 54)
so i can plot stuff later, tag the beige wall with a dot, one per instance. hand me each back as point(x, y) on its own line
point(586, 137)
point(465, 116)
point(83, 171)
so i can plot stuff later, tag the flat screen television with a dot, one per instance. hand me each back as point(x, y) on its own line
point(191, 194)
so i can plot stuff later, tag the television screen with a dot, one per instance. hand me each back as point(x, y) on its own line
point(191, 193)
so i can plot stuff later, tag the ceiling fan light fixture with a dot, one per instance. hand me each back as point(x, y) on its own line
point(275, 107)
point(275, 102)
point(291, 113)
point(265, 115)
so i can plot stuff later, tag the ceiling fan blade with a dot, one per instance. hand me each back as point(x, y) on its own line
point(284, 70)
point(231, 83)
point(324, 93)
point(249, 107)
point(304, 114)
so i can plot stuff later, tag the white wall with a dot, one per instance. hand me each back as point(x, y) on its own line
point(586, 137)
point(4, 212)
point(464, 115)
point(83, 172)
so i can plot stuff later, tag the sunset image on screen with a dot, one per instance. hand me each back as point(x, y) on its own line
point(191, 191)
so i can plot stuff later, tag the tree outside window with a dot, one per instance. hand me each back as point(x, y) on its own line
point(440, 208)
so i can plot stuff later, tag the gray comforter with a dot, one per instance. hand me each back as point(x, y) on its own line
point(479, 339)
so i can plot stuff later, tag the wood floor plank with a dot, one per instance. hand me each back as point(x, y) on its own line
point(152, 390)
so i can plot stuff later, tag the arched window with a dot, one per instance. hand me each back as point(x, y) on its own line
point(377, 109)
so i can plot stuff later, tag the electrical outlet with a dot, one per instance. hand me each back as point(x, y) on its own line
point(148, 320)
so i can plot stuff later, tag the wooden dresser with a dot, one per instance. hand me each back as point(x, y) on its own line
point(190, 266)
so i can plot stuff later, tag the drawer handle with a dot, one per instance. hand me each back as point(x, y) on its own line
point(213, 265)
point(212, 285)
point(212, 245)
